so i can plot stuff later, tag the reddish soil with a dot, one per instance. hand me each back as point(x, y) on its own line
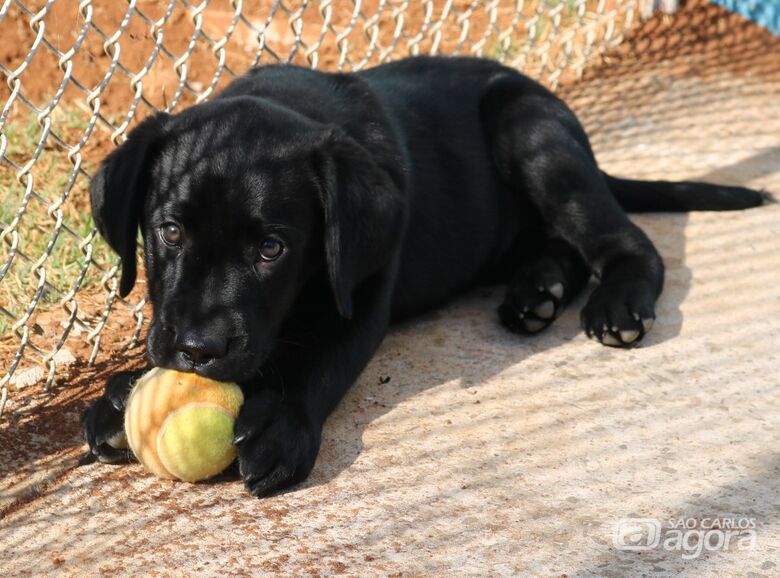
point(423, 32)
point(63, 25)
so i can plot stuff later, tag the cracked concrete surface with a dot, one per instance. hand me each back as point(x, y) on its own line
point(491, 454)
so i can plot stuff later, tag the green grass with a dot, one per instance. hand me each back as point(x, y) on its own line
point(51, 174)
point(543, 26)
point(546, 23)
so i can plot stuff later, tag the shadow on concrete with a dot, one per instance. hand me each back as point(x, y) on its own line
point(730, 501)
point(756, 166)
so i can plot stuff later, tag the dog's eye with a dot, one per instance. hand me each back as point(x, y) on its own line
point(171, 234)
point(271, 249)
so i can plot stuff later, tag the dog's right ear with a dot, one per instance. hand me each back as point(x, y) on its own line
point(118, 191)
point(363, 210)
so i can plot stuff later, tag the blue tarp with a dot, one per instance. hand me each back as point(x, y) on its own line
point(764, 12)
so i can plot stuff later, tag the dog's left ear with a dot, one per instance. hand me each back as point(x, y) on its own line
point(364, 213)
point(118, 191)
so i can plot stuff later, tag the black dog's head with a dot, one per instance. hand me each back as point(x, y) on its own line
point(240, 203)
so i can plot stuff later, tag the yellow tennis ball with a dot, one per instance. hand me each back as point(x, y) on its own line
point(180, 425)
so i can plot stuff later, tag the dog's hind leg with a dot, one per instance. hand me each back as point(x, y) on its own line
point(542, 152)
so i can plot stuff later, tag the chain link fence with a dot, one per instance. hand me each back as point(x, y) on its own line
point(77, 76)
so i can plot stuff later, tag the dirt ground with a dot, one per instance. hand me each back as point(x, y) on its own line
point(292, 30)
point(486, 453)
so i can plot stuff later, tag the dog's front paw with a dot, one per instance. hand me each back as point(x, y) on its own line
point(277, 444)
point(619, 315)
point(103, 423)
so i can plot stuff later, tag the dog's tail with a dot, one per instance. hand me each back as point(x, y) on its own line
point(682, 196)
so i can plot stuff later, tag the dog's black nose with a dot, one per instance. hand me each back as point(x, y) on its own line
point(199, 349)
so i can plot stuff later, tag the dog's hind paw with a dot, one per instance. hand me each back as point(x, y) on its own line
point(530, 306)
point(620, 315)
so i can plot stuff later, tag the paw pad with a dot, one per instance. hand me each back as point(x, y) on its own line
point(556, 290)
point(546, 310)
point(530, 307)
point(629, 336)
point(534, 325)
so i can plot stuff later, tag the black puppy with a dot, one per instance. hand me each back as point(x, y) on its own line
point(291, 219)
